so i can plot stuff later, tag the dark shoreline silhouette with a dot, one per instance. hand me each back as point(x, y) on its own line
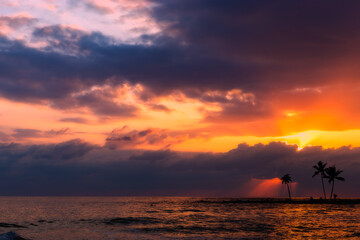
point(283, 200)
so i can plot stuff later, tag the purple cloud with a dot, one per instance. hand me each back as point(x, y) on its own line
point(101, 171)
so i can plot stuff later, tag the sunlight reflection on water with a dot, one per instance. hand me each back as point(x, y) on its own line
point(173, 218)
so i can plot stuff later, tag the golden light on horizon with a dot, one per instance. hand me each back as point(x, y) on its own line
point(143, 97)
point(264, 187)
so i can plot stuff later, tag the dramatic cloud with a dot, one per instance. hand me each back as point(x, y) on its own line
point(282, 45)
point(257, 48)
point(250, 46)
point(101, 101)
point(190, 75)
point(60, 38)
point(94, 170)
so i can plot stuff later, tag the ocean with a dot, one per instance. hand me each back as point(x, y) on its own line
point(174, 218)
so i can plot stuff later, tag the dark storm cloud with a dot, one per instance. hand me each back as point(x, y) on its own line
point(79, 168)
point(62, 39)
point(257, 46)
point(47, 154)
point(290, 43)
point(59, 70)
point(43, 75)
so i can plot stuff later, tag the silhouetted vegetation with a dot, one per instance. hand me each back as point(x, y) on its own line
point(286, 179)
point(320, 169)
point(333, 174)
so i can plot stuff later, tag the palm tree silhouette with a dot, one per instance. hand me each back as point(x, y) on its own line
point(320, 169)
point(333, 174)
point(286, 179)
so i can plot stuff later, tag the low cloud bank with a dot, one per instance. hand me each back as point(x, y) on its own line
point(79, 168)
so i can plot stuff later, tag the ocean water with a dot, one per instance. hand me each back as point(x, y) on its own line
point(174, 218)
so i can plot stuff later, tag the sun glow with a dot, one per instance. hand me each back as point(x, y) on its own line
point(264, 187)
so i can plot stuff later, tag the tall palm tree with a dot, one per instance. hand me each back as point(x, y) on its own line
point(286, 179)
point(333, 174)
point(320, 169)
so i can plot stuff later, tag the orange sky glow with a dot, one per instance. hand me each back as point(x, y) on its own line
point(322, 122)
point(197, 84)
point(324, 114)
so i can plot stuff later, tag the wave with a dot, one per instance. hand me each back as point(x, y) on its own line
point(11, 225)
point(11, 236)
point(132, 221)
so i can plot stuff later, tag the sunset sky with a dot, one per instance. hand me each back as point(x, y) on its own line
point(177, 97)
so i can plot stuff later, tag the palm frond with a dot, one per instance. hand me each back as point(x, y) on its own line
point(286, 179)
point(340, 179)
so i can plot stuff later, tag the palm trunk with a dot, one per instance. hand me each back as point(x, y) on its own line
point(288, 191)
point(322, 181)
point(332, 189)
